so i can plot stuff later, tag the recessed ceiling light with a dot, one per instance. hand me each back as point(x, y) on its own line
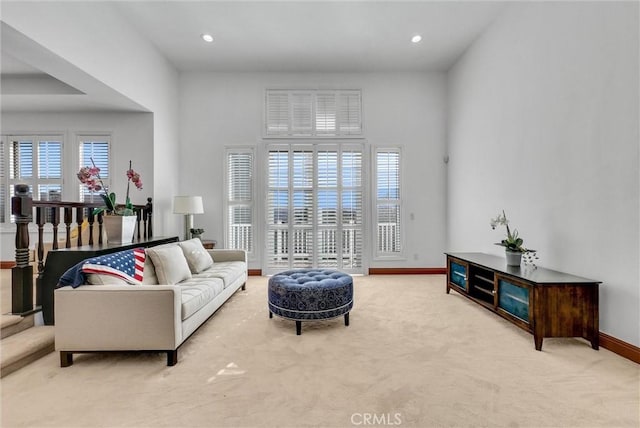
point(416, 38)
point(207, 38)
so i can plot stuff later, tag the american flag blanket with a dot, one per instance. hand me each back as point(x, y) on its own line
point(127, 265)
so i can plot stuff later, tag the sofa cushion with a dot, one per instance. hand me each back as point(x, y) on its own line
point(197, 292)
point(102, 279)
point(229, 272)
point(170, 264)
point(197, 256)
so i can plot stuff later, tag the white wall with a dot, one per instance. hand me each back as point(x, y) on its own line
point(131, 139)
point(96, 39)
point(543, 122)
point(219, 109)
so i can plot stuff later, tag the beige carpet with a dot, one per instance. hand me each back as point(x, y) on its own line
point(413, 356)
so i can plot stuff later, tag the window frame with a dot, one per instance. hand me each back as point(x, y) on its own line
point(316, 146)
point(35, 181)
point(399, 255)
point(293, 97)
point(70, 158)
point(92, 137)
point(229, 150)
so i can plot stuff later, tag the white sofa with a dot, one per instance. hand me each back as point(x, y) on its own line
point(108, 314)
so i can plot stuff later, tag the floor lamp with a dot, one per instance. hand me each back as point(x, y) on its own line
point(187, 205)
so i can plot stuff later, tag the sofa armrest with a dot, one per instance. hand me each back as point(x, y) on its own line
point(221, 255)
point(118, 317)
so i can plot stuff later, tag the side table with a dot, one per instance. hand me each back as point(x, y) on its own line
point(209, 244)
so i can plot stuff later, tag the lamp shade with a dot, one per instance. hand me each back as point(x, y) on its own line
point(187, 205)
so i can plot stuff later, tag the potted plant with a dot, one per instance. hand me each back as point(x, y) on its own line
point(120, 222)
point(512, 243)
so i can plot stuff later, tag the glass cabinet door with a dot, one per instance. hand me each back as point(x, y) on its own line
point(513, 298)
point(458, 274)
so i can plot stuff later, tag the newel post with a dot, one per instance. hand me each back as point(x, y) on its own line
point(22, 273)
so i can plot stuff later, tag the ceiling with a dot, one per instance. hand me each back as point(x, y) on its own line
point(287, 36)
point(314, 36)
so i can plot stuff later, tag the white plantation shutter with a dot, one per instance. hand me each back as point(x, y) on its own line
point(388, 202)
point(302, 204)
point(313, 113)
point(349, 113)
point(301, 113)
point(21, 159)
point(278, 208)
point(50, 159)
point(314, 207)
point(4, 197)
point(352, 209)
point(96, 148)
point(328, 238)
point(240, 167)
point(277, 113)
point(326, 113)
point(50, 170)
point(35, 161)
point(240, 225)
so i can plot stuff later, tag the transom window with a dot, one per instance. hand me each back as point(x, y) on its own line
point(313, 113)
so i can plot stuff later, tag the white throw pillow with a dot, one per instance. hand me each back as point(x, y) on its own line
point(197, 256)
point(170, 264)
point(149, 277)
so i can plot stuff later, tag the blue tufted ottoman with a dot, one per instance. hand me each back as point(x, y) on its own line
point(310, 294)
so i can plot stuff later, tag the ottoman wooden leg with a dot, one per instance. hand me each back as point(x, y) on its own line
point(346, 319)
point(298, 328)
point(270, 314)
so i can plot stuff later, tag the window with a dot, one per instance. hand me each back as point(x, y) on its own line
point(313, 113)
point(35, 161)
point(3, 179)
point(388, 202)
point(240, 227)
point(314, 206)
point(96, 148)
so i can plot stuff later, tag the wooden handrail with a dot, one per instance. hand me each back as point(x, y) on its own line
point(37, 203)
point(53, 212)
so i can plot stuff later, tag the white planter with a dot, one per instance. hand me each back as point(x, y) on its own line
point(513, 258)
point(119, 228)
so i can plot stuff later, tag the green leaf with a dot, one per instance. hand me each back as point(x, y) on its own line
point(109, 201)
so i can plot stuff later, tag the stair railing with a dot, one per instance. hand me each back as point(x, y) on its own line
point(52, 212)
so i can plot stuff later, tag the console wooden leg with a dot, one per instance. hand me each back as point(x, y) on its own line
point(538, 342)
point(298, 328)
point(346, 319)
point(172, 357)
point(66, 358)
